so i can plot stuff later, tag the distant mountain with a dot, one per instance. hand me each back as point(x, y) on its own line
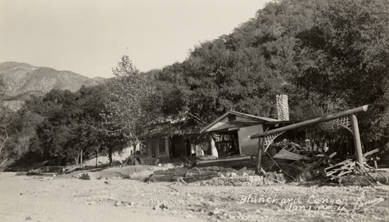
point(23, 80)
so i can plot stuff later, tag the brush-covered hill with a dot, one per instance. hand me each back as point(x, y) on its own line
point(326, 55)
point(23, 80)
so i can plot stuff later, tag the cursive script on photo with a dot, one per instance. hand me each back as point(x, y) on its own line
point(313, 203)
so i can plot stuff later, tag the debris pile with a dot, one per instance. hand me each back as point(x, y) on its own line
point(304, 163)
point(185, 174)
point(84, 176)
point(339, 170)
point(217, 176)
point(46, 171)
point(353, 173)
point(297, 163)
point(244, 180)
point(169, 175)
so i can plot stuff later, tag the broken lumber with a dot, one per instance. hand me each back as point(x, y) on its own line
point(286, 155)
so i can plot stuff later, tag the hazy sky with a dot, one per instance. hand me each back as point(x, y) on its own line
point(89, 36)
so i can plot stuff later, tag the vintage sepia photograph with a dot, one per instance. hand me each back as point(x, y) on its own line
point(194, 110)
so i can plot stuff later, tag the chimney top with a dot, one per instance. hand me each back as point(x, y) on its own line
point(282, 107)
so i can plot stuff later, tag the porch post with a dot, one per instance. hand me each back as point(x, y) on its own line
point(259, 155)
point(357, 139)
point(213, 148)
point(167, 146)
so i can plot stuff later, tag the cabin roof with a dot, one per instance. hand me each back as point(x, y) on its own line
point(234, 119)
point(170, 129)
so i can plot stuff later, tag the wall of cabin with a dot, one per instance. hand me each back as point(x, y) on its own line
point(249, 146)
point(158, 147)
point(164, 148)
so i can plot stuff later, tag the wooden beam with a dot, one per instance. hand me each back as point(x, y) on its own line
point(357, 140)
point(311, 121)
point(261, 142)
point(371, 152)
point(224, 160)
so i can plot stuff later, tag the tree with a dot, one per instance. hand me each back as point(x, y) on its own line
point(2, 90)
point(4, 118)
point(343, 59)
point(131, 100)
point(326, 55)
point(61, 127)
point(132, 104)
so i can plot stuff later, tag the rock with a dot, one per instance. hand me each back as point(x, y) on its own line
point(243, 169)
point(161, 206)
point(84, 176)
point(231, 174)
point(28, 218)
point(118, 203)
point(188, 216)
point(215, 212)
point(219, 174)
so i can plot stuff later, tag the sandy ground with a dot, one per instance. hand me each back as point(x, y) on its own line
point(64, 198)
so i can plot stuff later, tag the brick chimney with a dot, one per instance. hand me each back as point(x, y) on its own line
point(282, 107)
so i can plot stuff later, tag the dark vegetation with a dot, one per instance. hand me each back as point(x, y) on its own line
point(326, 55)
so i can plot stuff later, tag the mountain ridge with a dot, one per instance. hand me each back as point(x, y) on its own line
point(23, 80)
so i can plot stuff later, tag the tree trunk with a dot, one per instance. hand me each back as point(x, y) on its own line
point(76, 159)
point(97, 154)
point(81, 160)
point(3, 139)
point(110, 155)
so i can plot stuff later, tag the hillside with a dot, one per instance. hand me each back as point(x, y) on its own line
point(327, 55)
point(23, 80)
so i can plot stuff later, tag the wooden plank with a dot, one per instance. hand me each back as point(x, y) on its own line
point(344, 173)
point(286, 155)
point(370, 152)
point(348, 161)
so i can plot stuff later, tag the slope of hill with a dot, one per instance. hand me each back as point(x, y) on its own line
point(23, 80)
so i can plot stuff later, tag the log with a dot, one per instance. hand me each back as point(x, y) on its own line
point(357, 140)
point(311, 121)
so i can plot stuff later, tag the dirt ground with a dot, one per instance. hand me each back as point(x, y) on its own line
point(66, 198)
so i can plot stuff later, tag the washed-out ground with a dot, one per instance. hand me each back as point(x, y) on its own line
point(108, 196)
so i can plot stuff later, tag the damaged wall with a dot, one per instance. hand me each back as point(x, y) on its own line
point(246, 145)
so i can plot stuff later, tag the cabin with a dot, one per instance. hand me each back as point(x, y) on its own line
point(229, 133)
point(228, 136)
point(170, 140)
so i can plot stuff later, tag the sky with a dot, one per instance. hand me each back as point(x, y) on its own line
point(90, 36)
